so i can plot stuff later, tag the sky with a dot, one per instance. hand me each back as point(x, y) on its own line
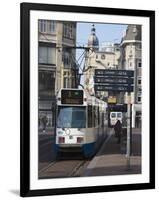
point(105, 33)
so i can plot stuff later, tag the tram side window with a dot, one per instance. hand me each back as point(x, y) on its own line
point(102, 125)
point(94, 116)
point(89, 118)
point(98, 116)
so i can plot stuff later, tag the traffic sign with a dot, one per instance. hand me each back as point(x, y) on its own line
point(117, 107)
point(117, 88)
point(113, 80)
point(108, 72)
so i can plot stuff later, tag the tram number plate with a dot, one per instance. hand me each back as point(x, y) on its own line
point(70, 137)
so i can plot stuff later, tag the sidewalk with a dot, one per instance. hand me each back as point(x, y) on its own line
point(48, 131)
point(109, 160)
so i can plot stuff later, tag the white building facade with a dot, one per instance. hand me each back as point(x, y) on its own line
point(106, 57)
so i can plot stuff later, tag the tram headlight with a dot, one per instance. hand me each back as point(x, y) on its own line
point(60, 132)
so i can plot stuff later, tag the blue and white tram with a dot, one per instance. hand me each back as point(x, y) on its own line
point(81, 122)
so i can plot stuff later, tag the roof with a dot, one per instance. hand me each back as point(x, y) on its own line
point(133, 32)
point(93, 39)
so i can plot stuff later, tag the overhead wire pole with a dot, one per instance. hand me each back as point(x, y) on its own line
point(128, 131)
point(78, 66)
point(60, 46)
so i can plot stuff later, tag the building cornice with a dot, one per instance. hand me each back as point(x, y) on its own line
point(130, 41)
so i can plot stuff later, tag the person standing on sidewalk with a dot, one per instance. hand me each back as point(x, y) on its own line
point(44, 121)
point(117, 130)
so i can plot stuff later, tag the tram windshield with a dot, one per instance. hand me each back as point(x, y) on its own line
point(71, 117)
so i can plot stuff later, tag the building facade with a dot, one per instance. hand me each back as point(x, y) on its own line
point(131, 59)
point(127, 56)
point(56, 63)
point(106, 57)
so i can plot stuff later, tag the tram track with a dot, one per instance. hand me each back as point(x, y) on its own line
point(77, 170)
point(63, 168)
point(46, 167)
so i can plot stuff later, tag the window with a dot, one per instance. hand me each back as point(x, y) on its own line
point(51, 26)
point(119, 115)
point(94, 116)
point(130, 64)
point(140, 90)
point(134, 29)
point(68, 30)
point(102, 56)
point(139, 94)
point(67, 59)
point(71, 117)
point(139, 99)
point(42, 26)
point(98, 116)
point(130, 53)
point(47, 26)
point(113, 115)
point(139, 64)
point(46, 84)
point(89, 116)
point(66, 82)
point(139, 80)
point(47, 55)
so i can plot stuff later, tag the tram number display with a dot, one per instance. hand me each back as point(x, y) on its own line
point(72, 97)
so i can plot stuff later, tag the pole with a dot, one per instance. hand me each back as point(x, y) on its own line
point(128, 131)
point(131, 152)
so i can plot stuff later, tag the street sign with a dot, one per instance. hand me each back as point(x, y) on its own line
point(113, 87)
point(117, 107)
point(108, 72)
point(112, 99)
point(113, 80)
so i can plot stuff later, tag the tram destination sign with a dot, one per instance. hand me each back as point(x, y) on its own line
point(113, 80)
point(108, 72)
point(113, 87)
point(71, 96)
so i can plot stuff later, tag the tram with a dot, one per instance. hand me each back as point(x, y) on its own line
point(114, 117)
point(80, 122)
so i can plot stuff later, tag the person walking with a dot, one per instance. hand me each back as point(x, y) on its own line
point(117, 130)
point(44, 121)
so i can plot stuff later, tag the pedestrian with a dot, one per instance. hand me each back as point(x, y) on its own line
point(117, 130)
point(137, 121)
point(44, 121)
